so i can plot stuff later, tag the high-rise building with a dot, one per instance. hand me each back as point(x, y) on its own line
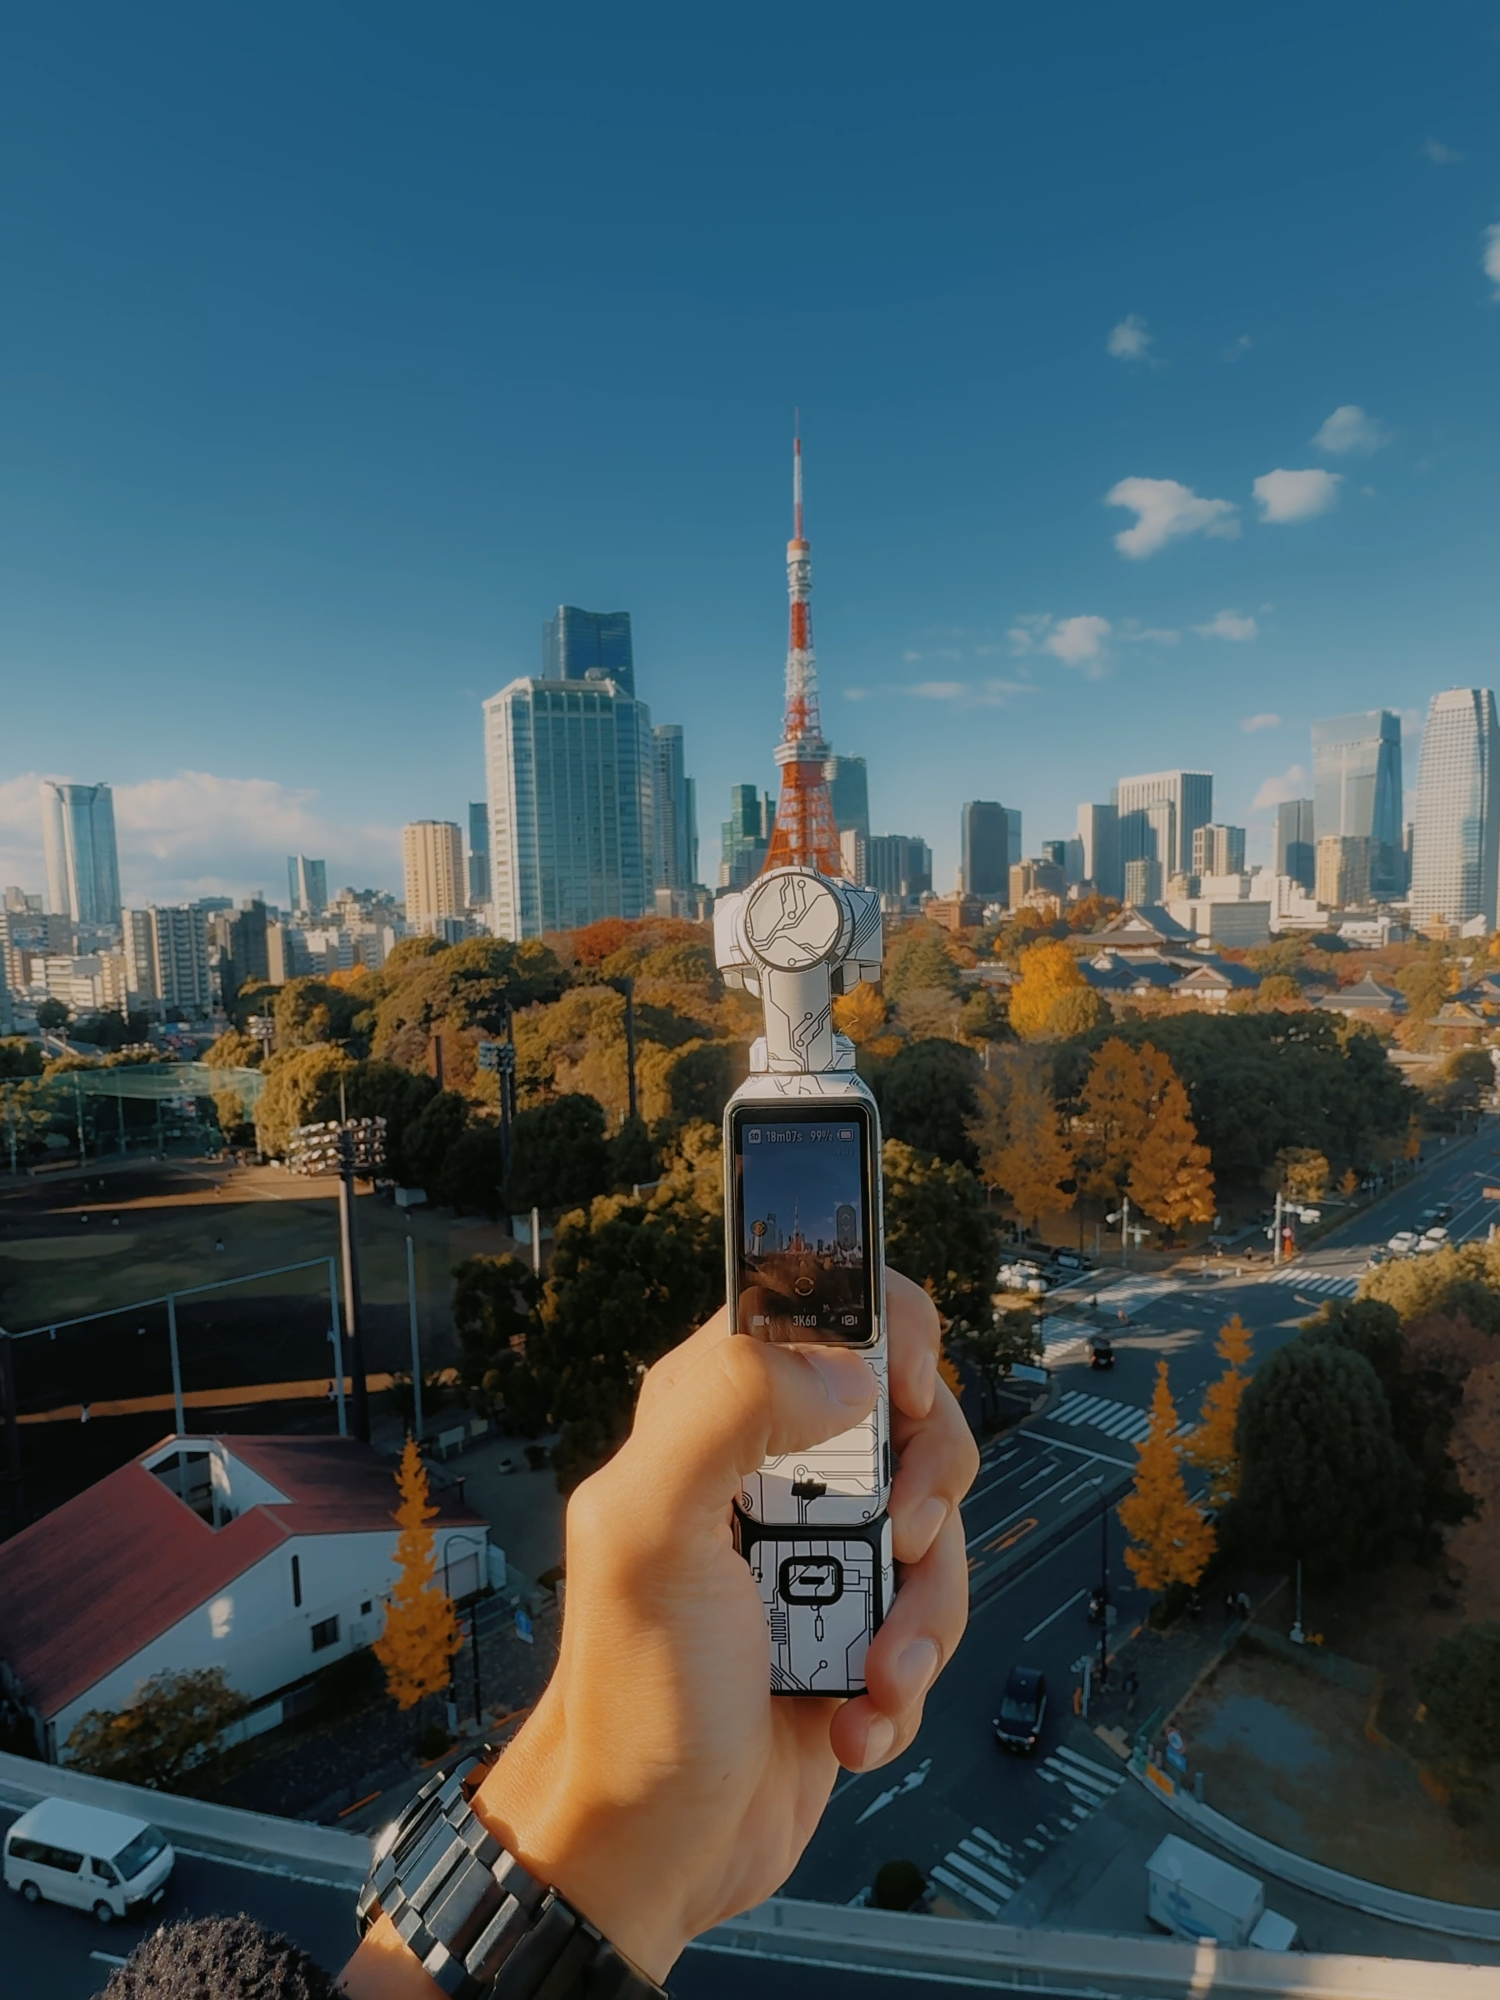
point(83, 865)
point(900, 867)
point(1342, 881)
point(849, 789)
point(1357, 788)
point(984, 870)
point(1142, 881)
point(579, 645)
point(480, 890)
point(675, 819)
point(1038, 879)
point(166, 958)
point(433, 855)
point(1295, 841)
point(1218, 850)
point(1157, 836)
point(745, 836)
point(854, 849)
point(1099, 834)
point(1456, 847)
point(569, 765)
point(1013, 832)
point(307, 885)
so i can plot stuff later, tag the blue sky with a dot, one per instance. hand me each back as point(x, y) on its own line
point(341, 343)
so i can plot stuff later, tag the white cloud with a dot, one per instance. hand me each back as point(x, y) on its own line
point(1165, 509)
point(1291, 784)
point(1351, 429)
point(1130, 340)
point(1296, 496)
point(1492, 255)
point(1441, 155)
point(937, 690)
point(856, 694)
point(1080, 641)
point(1254, 723)
point(1228, 625)
point(197, 834)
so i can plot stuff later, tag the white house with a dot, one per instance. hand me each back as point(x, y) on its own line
point(267, 1556)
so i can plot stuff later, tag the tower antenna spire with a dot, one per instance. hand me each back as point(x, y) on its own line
point(805, 834)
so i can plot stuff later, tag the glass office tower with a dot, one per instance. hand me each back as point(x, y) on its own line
point(674, 812)
point(83, 866)
point(985, 836)
point(576, 643)
point(1295, 842)
point(849, 790)
point(1357, 789)
point(1456, 847)
point(1147, 833)
point(479, 854)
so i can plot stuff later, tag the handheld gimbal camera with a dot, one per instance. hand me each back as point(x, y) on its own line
point(804, 1250)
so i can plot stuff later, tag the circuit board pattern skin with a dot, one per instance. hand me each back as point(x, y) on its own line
point(825, 1598)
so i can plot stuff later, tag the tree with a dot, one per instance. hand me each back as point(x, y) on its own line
point(1426, 984)
point(1048, 970)
point(927, 1098)
point(1464, 1279)
point(302, 1088)
point(861, 1015)
point(939, 1233)
point(167, 1738)
point(1112, 1118)
point(1212, 1446)
point(1004, 1341)
point(52, 1016)
point(1278, 990)
point(19, 1058)
point(1321, 1476)
point(1300, 1173)
point(1077, 1011)
point(559, 1154)
point(1170, 1542)
point(1461, 1686)
point(1036, 1159)
point(310, 1010)
point(421, 1631)
point(920, 963)
point(1170, 1177)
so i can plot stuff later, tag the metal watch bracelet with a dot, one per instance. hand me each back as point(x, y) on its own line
point(481, 1927)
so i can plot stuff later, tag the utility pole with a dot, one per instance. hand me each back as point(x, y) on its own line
point(416, 1351)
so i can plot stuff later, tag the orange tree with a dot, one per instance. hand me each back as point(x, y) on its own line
point(1170, 1542)
point(421, 1632)
point(1035, 1158)
point(1048, 970)
point(1212, 1446)
point(1170, 1176)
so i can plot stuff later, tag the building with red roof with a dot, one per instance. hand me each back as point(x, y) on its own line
point(267, 1556)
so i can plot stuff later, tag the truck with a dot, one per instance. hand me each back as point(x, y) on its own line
point(1194, 1895)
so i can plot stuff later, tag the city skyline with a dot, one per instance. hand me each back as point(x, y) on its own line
point(1238, 491)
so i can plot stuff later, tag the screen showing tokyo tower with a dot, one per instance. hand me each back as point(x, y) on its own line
point(803, 1228)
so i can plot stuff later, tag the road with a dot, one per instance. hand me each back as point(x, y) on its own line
point(955, 1802)
point(51, 1953)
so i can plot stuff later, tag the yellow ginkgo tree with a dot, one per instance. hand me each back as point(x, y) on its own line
point(421, 1632)
point(1212, 1446)
point(1170, 1542)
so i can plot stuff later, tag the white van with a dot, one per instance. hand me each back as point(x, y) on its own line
point(106, 1862)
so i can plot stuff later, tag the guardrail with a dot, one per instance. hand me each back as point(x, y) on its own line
point(1077, 1963)
point(291, 1847)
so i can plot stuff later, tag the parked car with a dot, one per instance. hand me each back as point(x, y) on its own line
point(1433, 1241)
point(1440, 1212)
point(1021, 1278)
point(1101, 1351)
point(1071, 1260)
point(1194, 1895)
point(1403, 1243)
point(107, 1862)
point(1379, 1255)
point(1438, 1235)
point(1023, 1709)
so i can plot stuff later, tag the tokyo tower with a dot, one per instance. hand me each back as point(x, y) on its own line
point(805, 835)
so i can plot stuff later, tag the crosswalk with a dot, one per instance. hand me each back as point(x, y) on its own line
point(1125, 1421)
point(1325, 1284)
point(987, 1872)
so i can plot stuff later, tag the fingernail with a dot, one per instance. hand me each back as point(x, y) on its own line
point(847, 1377)
point(922, 1529)
point(878, 1741)
point(916, 1669)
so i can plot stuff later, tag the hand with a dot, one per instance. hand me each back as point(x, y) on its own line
point(657, 1785)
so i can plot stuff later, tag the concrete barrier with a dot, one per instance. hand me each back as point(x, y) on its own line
point(1461, 1920)
point(291, 1847)
point(1077, 1963)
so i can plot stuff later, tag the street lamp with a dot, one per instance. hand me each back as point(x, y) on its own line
point(345, 1147)
point(1285, 1207)
point(482, 1545)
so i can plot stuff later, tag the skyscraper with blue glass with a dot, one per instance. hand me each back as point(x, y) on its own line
point(578, 643)
point(83, 867)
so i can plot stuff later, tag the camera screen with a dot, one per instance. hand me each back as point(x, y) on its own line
point(802, 1213)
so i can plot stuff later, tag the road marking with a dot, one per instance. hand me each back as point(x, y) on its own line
point(1083, 1451)
point(1047, 1777)
point(1005, 1519)
point(912, 1782)
point(1036, 1844)
point(979, 1833)
point(966, 1889)
point(1056, 1614)
point(108, 1958)
point(976, 1852)
point(1330, 1284)
point(1048, 1466)
point(1012, 1535)
point(1099, 1774)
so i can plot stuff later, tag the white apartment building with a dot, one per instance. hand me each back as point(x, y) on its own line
point(166, 957)
point(436, 878)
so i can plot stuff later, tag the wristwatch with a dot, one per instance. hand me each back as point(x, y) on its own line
point(480, 1925)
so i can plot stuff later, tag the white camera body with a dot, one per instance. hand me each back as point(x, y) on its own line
point(803, 1132)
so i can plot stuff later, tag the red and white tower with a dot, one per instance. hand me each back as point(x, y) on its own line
point(805, 835)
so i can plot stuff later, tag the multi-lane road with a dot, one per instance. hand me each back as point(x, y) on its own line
point(975, 1820)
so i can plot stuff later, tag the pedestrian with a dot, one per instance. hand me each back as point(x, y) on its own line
point(1132, 1690)
point(1242, 1605)
point(1230, 1607)
point(218, 1243)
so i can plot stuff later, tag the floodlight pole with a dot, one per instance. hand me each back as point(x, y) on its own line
point(12, 1434)
point(336, 1336)
point(353, 1307)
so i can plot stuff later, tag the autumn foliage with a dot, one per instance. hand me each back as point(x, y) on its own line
point(1212, 1446)
point(1137, 1136)
point(1048, 971)
point(421, 1632)
point(1170, 1542)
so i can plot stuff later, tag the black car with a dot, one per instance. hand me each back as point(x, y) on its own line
point(1101, 1351)
point(1432, 1218)
point(1023, 1706)
point(1071, 1260)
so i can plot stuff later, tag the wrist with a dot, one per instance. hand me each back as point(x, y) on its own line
point(586, 1848)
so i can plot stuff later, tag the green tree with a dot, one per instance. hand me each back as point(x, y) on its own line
point(919, 962)
point(939, 1233)
point(310, 1010)
point(52, 1016)
point(633, 1159)
point(1426, 984)
point(559, 1154)
point(927, 1099)
point(234, 1050)
point(302, 1088)
point(19, 1058)
point(168, 1738)
point(494, 1312)
point(1460, 1684)
point(1462, 1280)
point(462, 991)
point(1322, 1477)
point(1462, 1084)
